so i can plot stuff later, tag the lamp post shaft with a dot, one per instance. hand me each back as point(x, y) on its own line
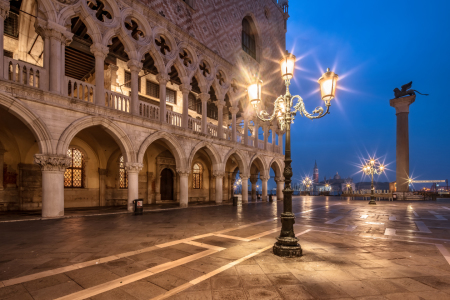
point(287, 243)
point(372, 196)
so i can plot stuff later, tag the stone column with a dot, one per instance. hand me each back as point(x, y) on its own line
point(53, 168)
point(2, 161)
point(220, 104)
point(273, 137)
point(185, 90)
point(212, 195)
point(204, 97)
point(184, 188)
point(102, 173)
point(162, 79)
point(219, 186)
point(150, 198)
point(401, 106)
point(100, 51)
point(135, 67)
point(244, 180)
point(158, 187)
point(280, 140)
point(245, 131)
point(264, 180)
point(4, 12)
point(256, 132)
point(46, 80)
point(234, 110)
point(65, 42)
point(253, 180)
point(280, 187)
point(133, 170)
point(266, 136)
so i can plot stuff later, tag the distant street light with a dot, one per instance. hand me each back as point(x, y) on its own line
point(287, 243)
point(307, 183)
point(372, 167)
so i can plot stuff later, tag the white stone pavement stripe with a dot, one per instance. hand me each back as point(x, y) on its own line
point(107, 286)
point(416, 214)
point(215, 272)
point(432, 212)
point(445, 207)
point(334, 220)
point(392, 218)
point(422, 227)
point(233, 237)
point(364, 216)
point(440, 217)
point(390, 231)
point(43, 274)
point(350, 228)
point(444, 252)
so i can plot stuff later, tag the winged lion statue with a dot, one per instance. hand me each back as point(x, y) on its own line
point(406, 91)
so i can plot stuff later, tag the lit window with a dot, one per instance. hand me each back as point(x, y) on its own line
point(248, 39)
point(74, 175)
point(123, 176)
point(197, 176)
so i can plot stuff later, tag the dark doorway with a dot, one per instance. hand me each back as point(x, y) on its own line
point(167, 184)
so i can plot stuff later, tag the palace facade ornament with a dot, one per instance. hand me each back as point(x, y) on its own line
point(52, 162)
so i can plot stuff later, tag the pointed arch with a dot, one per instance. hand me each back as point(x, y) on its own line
point(241, 158)
point(277, 167)
point(171, 142)
point(260, 163)
point(32, 121)
point(212, 153)
point(124, 38)
point(78, 10)
point(116, 132)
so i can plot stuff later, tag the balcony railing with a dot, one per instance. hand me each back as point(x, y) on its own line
point(149, 111)
point(79, 89)
point(117, 101)
point(195, 124)
point(23, 73)
point(174, 118)
point(34, 76)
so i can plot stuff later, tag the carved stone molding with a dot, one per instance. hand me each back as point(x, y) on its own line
point(218, 174)
point(279, 179)
point(264, 178)
point(182, 172)
point(233, 110)
point(99, 50)
point(133, 167)
point(4, 9)
point(52, 162)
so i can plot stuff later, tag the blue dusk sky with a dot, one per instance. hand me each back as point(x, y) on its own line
point(374, 46)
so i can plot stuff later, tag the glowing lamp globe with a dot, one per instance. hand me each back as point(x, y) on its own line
point(254, 93)
point(328, 83)
point(287, 64)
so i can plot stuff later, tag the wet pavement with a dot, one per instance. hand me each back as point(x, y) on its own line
point(393, 250)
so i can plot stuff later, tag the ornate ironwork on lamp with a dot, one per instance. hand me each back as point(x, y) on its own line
point(284, 110)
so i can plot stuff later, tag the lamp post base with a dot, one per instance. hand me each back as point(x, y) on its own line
point(287, 243)
point(372, 201)
point(287, 248)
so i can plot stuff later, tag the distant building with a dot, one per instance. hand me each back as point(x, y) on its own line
point(335, 184)
point(316, 173)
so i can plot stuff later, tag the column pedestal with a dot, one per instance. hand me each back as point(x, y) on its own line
point(401, 106)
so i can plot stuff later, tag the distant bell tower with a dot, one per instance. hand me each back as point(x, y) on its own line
point(316, 173)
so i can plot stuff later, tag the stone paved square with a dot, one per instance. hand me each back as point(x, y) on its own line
point(351, 251)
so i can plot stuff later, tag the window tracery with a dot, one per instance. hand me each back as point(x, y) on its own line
point(123, 175)
point(197, 176)
point(74, 174)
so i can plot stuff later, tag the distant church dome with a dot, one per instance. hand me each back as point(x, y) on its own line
point(337, 176)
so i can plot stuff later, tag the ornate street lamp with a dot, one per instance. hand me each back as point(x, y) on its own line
point(307, 183)
point(287, 243)
point(372, 167)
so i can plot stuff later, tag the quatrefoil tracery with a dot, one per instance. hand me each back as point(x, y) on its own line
point(101, 13)
point(204, 68)
point(184, 55)
point(163, 46)
point(133, 26)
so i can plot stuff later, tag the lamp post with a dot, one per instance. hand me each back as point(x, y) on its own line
point(372, 167)
point(287, 243)
point(307, 183)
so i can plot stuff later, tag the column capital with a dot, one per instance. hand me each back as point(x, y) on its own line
point(133, 167)
point(218, 173)
point(99, 50)
point(183, 172)
point(102, 172)
point(162, 78)
point(4, 10)
point(52, 162)
point(220, 103)
point(52, 30)
point(279, 179)
point(244, 177)
point(204, 97)
point(253, 179)
point(134, 65)
point(264, 178)
point(234, 110)
point(185, 88)
point(402, 104)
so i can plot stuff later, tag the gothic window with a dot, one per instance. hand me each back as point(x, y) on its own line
point(192, 102)
point(74, 175)
point(123, 176)
point(212, 111)
point(127, 81)
point(152, 89)
point(248, 39)
point(171, 96)
point(12, 25)
point(197, 176)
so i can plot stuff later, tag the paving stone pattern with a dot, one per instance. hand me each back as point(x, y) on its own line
point(351, 251)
